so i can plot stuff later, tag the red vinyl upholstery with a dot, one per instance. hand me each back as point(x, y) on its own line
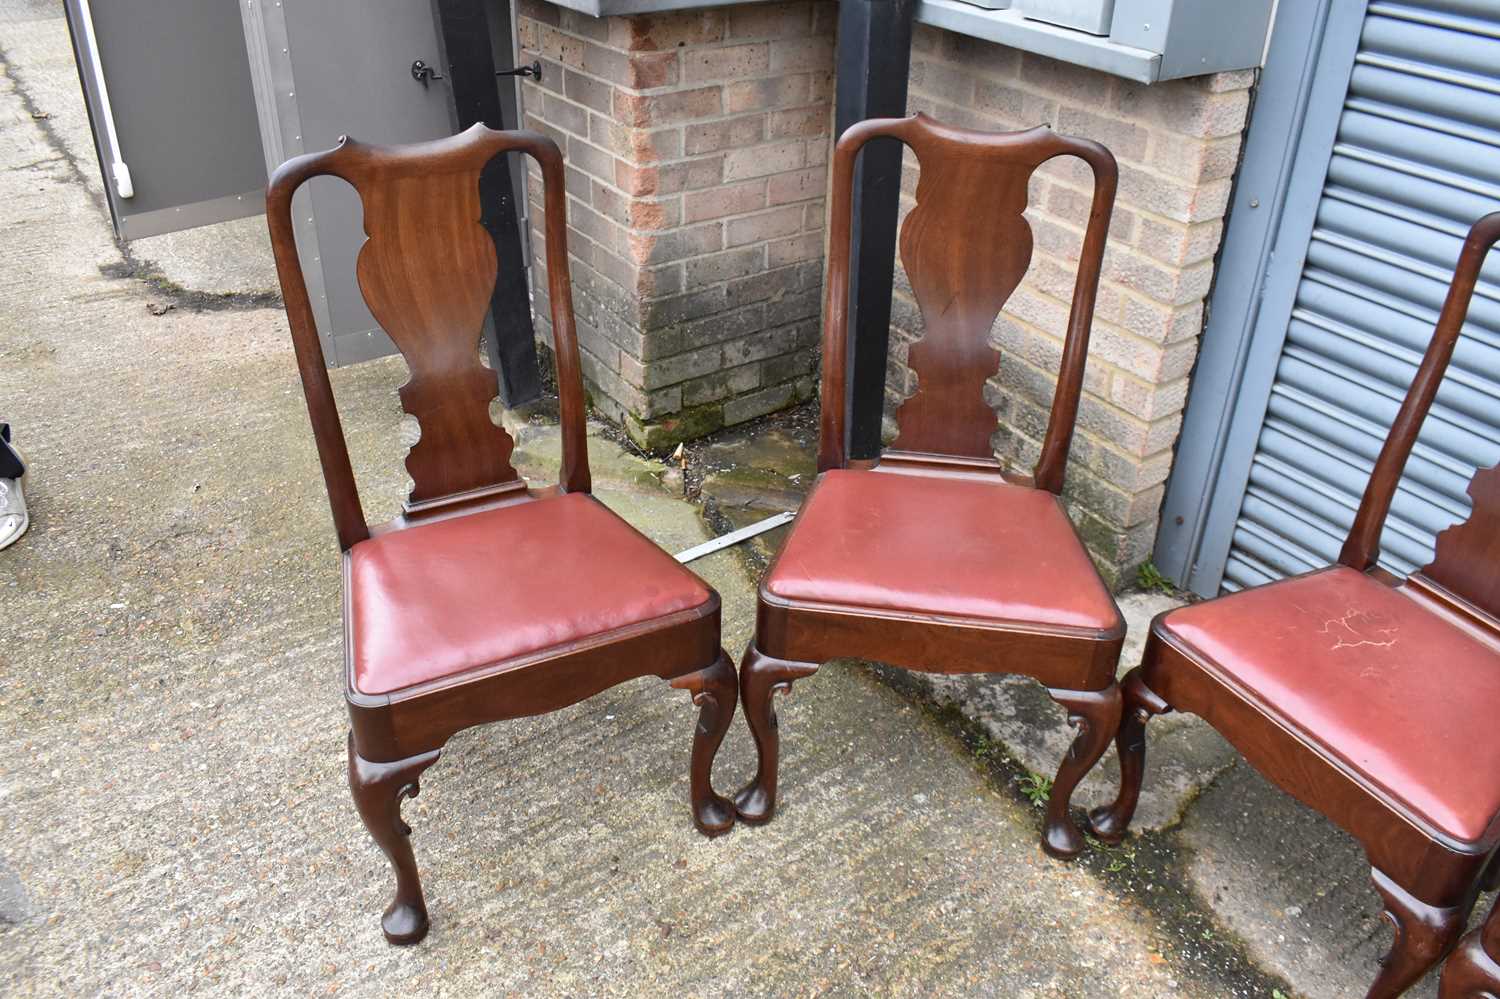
point(955, 546)
point(1391, 688)
point(455, 595)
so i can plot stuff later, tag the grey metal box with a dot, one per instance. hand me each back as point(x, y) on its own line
point(1092, 16)
point(1194, 37)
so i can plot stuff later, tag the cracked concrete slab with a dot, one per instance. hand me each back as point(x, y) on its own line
point(1017, 713)
point(1291, 885)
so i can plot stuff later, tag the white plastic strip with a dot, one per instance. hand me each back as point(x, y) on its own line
point(735, 537)
point(124, 187)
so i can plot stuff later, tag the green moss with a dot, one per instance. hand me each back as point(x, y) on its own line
point(1103, 542)
point(1150, 578)
point(666, 433)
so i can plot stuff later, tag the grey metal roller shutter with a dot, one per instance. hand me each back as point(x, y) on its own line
point(1416, 161)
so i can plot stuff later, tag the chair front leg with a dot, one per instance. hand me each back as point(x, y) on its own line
point(1473, 970)
point(716, 691)
point(1141, 704)
point(379, 789)
point(1096, 715)
point(761, 677)
point(1424, 934)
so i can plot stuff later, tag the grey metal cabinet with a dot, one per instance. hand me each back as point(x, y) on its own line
point(168, 91)
point(195, 102)
point(1397, 155)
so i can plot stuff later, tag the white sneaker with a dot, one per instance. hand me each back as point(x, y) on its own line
point(13, 517)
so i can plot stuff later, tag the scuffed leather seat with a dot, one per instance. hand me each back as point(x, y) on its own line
point(966, 548)
point(456, 595)
point(1344, 660)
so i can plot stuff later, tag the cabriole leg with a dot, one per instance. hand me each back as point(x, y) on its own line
point(1423, 935)
point(1141, 703)
point(760, 678)
point(379, 789)
point(1473, 971)
point(1096, 716)
point(716, 691)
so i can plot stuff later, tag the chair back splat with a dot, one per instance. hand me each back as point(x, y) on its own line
point(427, 271)
point(1464, 564)
point(965, 246)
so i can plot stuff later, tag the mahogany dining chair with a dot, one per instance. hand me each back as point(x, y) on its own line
point(1368, 697)
point(934, 556)
point(487, 598)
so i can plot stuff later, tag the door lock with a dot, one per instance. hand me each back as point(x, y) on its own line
point(421, 72)
point(534, 71)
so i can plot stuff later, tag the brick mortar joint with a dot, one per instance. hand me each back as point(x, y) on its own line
point(1155, 173)
point(685, 160)
point(715, 45)
point(632, 231)
point(1058, 339)
point(1125, 117)
point(633, 322)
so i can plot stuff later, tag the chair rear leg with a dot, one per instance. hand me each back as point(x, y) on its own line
point(1096, 716)
point(716, 691)
point(1423, 936)
point(760, 678)
point(1141, 703)
point(379, 789)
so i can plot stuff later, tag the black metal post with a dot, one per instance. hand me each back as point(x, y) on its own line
point(874, 57)
point(469, 34)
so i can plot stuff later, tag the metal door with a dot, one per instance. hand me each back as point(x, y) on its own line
point(1389, 169)
point(194, 102)
point(324, 69)
point(328, 68)
point(167, 86)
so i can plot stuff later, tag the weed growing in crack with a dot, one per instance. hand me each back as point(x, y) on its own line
point(1036, 788)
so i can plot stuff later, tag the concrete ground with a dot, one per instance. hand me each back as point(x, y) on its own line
point(174, 812)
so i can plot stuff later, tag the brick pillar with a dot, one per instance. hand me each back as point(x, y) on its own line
point(1178, 146)
point(696, 147)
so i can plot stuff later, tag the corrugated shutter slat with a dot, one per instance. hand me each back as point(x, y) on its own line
point(1415, 162)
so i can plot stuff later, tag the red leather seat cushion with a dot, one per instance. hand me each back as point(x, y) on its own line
point(960, 547)
point(1391, 688)
point(455, 595)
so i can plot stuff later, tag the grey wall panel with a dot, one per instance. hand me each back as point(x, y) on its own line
point(1393, 166)
point(1194, 37)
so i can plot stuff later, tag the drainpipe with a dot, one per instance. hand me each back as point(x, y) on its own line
point(874, 57)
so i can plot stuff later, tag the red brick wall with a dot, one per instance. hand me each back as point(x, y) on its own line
point(696, 146)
